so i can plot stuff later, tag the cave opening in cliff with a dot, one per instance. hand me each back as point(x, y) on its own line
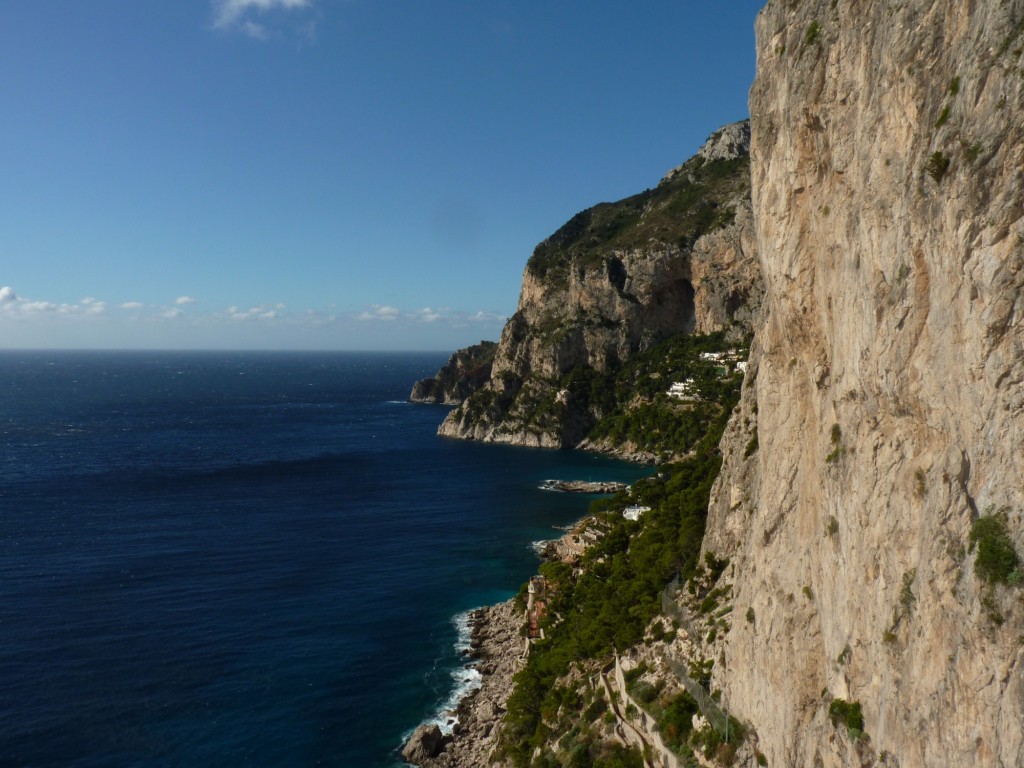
point(617, 274)
point(676, 304)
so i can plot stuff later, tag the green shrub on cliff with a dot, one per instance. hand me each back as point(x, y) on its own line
point(847, 713)
point(997, 559)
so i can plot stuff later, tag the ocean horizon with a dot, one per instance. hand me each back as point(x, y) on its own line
point(248, 557)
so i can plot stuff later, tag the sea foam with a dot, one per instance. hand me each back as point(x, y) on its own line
point(466, 679)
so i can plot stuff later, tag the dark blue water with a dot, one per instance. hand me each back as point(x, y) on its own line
point(223, 559)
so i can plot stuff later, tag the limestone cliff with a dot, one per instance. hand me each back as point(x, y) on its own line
point(885, 388)
point(465, 372)
point(615, 280)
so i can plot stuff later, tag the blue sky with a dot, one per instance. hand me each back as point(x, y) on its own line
point(328, 174)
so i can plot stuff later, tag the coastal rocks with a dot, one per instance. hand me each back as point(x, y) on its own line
point(497, 647)
point(465, 372)
point(573, 544)
point(887, 412)
point(584, 486)
point(426, 742)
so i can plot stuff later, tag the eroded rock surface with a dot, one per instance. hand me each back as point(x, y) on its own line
point(885, 387)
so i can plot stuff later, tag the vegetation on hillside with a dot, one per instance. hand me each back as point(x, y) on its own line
point(642, 412)
point(694, 201)
point(608, 602)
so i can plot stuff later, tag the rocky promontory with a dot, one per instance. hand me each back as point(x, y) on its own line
point(465, 372)
point(615, 281)
point(584, 486)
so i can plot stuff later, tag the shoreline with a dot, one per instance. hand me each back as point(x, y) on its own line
point(465, 735)
point(496, 647)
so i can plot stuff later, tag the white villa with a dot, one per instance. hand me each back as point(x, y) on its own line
point(633, 512)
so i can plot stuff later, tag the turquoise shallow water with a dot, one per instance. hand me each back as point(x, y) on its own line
point(224, 559)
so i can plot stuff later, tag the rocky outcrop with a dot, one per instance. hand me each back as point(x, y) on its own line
point(614, 281)
point(465, 372)
point(426, 743)
point(727, 143)
point(498, 647)
point(884, 410)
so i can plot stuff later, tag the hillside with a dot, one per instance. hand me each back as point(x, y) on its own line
point(613, 282)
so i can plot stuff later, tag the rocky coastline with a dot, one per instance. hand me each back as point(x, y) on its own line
point(497, 647)
point(584, 486)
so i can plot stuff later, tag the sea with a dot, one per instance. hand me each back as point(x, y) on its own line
point(260, 559)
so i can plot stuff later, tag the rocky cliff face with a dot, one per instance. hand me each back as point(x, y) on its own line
point(465, 372)
point(885, 388)
point(615, 280)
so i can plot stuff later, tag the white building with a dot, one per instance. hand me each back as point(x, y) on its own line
point(633, 512)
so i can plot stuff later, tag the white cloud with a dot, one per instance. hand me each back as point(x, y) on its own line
point(38, 306)
point(92, 321)
point(13, 305)
point(186, 300)
point(379, 312)
point(487, 317)
point(237, 15)
point(428, 315)
point(259, 312)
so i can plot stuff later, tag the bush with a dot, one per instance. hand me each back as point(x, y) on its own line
point(812, 34)
point(676, 721)
point(595, 710)
point(645, 693)
point(618, 756)
point(632, 675)
point(937, 165)
point(837, 448)
point(847, 713)
point(997, 559)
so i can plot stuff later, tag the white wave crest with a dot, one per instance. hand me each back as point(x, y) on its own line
point(466, 679)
